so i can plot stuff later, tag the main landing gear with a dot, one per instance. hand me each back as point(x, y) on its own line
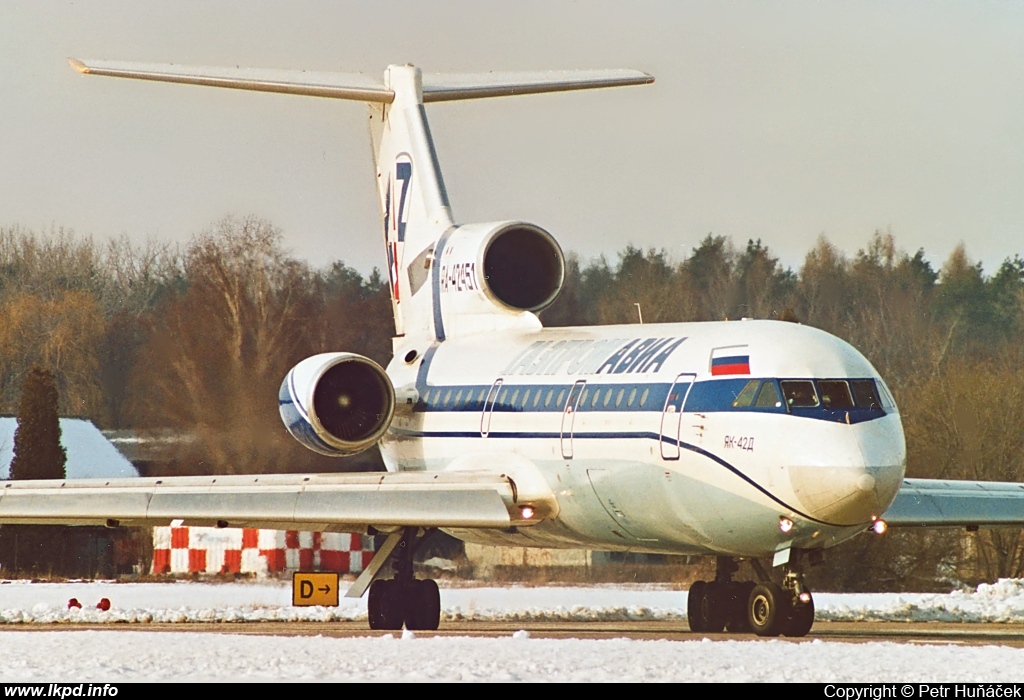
point(766, 609)
point(416, 603)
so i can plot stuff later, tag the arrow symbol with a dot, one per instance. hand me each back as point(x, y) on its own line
point(325, 589)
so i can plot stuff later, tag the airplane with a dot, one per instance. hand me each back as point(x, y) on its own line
point(743, 440)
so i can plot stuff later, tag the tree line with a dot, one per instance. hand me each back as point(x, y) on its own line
point(197, 339)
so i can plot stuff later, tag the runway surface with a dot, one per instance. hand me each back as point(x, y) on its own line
point(1003, 634)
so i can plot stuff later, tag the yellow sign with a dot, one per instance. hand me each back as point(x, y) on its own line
point(315, 589)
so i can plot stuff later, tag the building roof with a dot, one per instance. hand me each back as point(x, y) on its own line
point(90, 454)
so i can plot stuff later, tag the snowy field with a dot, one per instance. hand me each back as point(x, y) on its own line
point(122, 654)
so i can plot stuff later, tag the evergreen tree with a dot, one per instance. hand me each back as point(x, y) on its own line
point(38, 453)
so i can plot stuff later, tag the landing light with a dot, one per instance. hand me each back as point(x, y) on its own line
point(805, 597)
point(879, 527)
point(785, 524)
point(526, 512)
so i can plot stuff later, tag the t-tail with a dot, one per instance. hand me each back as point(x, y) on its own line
point(445, 279)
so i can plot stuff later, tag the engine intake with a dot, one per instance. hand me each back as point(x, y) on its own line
point(337, 404)
point(523, 266)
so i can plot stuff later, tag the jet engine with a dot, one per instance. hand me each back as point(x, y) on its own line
point(516, 265)
point(337, 404)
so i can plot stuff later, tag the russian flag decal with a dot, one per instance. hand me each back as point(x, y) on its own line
point(726, 361)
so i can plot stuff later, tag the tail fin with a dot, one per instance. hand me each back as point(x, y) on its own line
point(414, 205)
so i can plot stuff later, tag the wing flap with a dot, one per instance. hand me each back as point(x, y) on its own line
point(301, 502)
point(942, 503)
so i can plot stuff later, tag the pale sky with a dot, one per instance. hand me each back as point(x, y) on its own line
point(779, 121)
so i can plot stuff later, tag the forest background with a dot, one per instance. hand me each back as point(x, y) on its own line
point(197, 339)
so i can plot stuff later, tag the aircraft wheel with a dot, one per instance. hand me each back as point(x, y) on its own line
point(705, 606)
point(693, 605)
point(423, 605)
point(801, 619)
point(384, 605)
point(737, 621)
point(768, 609)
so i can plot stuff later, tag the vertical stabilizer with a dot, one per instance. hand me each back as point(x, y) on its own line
point(414, 205)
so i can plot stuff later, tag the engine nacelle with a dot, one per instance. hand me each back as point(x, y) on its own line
point(337, 403)
point(516, 265)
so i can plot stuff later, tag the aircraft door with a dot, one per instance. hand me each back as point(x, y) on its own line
point(569, 417)
point(672, 415)
point(485, 417)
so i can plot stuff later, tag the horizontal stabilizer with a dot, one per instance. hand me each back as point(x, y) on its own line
point(441, 87)
point(343, 86)
point(437, 87)
point(941, 503)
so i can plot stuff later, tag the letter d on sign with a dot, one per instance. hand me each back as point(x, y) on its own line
point(320, 588)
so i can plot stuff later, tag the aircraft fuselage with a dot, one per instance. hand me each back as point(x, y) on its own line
point(689, 438)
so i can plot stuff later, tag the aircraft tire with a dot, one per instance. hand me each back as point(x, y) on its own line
point(384, 605)
point(423, 605)
point(706, 606)
point(737, 621)
point(693, 605)
point(801, 619)
point(768, 610)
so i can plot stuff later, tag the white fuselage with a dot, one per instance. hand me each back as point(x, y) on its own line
point(647, 440)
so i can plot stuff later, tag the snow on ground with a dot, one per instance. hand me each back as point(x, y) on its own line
point(123, 654)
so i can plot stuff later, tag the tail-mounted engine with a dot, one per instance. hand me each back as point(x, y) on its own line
point(337, 404)
point(511, 265)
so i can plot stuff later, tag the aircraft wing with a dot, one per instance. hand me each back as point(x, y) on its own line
point(318, 502)
point(943, 503)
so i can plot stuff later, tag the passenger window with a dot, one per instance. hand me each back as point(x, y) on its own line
point(746, 395)
point(643, 396)
point(536, 398)
point(768, 396)
point(835, 393)
point(447, 398)
point(597, 395)
point(458, 397)
point(482, 397)
point(426, 397)
point(799, 394)
point(865, 394)
point(561, 398)
point(469, 396)
point(526, 397)
point(502, 397)
point(608, 396)
point(632, 397)
point(515, 396)
point(618, 399)
point(583, 396)
point(547, 399)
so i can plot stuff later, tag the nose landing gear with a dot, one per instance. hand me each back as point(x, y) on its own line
point(767, 609)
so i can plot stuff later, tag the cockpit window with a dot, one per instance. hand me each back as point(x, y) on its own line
point(768, 397)
point(746, 395)
point(865, 393)
point(799, 393)
point(835, 393)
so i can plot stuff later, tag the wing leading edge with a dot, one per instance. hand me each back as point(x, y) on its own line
point(319, 502)
point(942, 503)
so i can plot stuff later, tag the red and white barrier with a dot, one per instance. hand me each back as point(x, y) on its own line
point(211, 550)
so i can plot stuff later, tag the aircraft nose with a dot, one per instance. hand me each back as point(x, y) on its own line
point(857, 478)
